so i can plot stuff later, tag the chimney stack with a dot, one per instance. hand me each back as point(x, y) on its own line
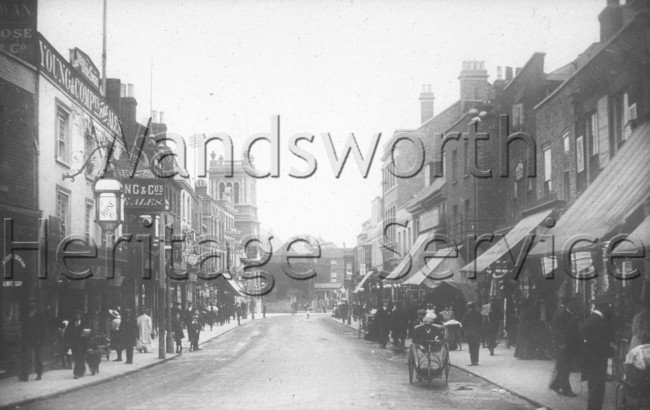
point(611, 20)
point(508, 73)
point(162, 117)
point(499, 73)
point(154, 117)
point(474, 86)
point(426, 103)
point(128, 111)
point(113, 94)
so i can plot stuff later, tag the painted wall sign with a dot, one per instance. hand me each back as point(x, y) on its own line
point(85, 66)
point(18, 27)
point(52, 65)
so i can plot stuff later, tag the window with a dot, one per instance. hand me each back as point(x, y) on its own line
point(591, 132)
point(455, 214)
point(620, 112)
point(454, 164)
point(465, 157)
point(567, 186)
point(580, 154)
point(567, 143)
point(514, 190)
point(236, 193)
point(444, 163)
point(62, 133)
point(548, 166)
point(88, 218)
point(63, 209)
point(517, 115)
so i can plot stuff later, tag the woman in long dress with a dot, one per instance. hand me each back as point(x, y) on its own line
point(145, 328)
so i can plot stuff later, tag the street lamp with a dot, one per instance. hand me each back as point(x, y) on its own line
point(109, 202)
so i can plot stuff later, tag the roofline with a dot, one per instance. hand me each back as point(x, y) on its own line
point(602, 50)
point(535, 54)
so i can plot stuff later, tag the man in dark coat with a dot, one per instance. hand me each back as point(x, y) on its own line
point(492, 326)
point(472, 322)
point(129, 332)
point(566, 337)
point(77, 336)
point(598, 332)
point(33, 335)
point(382, 322)
point(399, 325)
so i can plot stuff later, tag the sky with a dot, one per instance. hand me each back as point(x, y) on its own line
point(338, 67)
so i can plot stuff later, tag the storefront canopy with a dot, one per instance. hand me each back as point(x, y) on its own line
point(365, 278)
point(461, 291)
point(443, 264)
point(413, 261)
point(323, 287)
point(619, 189)
point(641, 236)
point(507, 243)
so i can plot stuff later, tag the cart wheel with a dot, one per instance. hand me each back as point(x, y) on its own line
point(621, 397)
point(411, 367)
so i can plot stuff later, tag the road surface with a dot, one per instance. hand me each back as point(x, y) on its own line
point(286, 362)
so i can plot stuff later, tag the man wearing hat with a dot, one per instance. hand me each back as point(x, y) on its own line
point(566, 337)
point(472, 325)
point(33, 334)
point(598, 334)
point(116, 332)
point(77, 336)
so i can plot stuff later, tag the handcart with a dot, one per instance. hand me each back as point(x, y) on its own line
point(428, 356)
point(633, 390)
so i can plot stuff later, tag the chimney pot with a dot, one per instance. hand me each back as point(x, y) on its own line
point(122, 90)
point(154, 117)
point(162, 117)
point(499, 73)
point(129, 90)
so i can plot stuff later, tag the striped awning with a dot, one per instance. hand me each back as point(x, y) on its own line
point(616, 193)
point(412, 261)
point(365, 278)
point(444, 264)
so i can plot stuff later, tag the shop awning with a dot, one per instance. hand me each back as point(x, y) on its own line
point(443, 262)
point(365, 278)
point(507, 243)
point(413, 261)
point(466, 291)
point(231, 285)
point(324, 287)
point(619, 189)
point(641, 236)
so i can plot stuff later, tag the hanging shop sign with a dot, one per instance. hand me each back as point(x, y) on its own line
point(549, 264)
point(53, 66)
point(144, 195)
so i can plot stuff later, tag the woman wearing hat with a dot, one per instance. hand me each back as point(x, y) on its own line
point(116, 332)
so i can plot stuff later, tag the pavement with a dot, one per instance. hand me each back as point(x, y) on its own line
point(55, 382)
point(527, 379)
point(287, 362)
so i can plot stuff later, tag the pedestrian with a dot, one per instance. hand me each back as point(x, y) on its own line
point(145, 329)
point(116, 333)
point(238, 313)
point(641, 324)
point(263, 310)
point(187, 315)
point(493, 324)
point(130, 333)
point(194, 331)
point(64, 348)
point(33, 335)
point(77, 336)
point(472, 325)
point(399, 325)
point(598, 332)
point(566, 337)
point(177, 328)
point(382, 322)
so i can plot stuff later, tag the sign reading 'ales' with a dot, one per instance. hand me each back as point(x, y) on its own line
point(144, 195)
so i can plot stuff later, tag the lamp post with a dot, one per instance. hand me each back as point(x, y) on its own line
point(109, 210)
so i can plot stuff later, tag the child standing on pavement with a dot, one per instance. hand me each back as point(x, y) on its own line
point(177, 328)
point(193, 331)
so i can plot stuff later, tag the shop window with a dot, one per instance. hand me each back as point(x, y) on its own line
point(454, 164)
point(548, 167)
